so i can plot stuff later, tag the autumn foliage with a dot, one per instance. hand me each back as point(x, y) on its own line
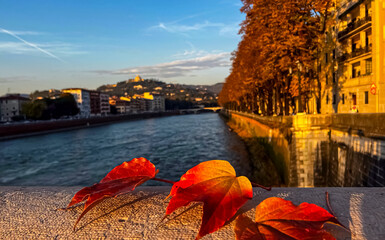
point(215, 184)
point(224, 193)
point(276, 64)
point(276, 218)
point(122, 179)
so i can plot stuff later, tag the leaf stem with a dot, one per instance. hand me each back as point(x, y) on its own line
point(260, 186)
point(328, 204)
point(163, 180)
point(332, 212)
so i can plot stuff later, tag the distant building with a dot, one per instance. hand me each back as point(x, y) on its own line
point(82, 98)
point(11, 106)
point(95, 103)
point(136, 79)
point(90, 103)
point(146, 102)
point(122, 106)
point(156, 102)
point(138, 105)
point(105, 108)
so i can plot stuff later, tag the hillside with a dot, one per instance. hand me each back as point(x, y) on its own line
point(206, 94)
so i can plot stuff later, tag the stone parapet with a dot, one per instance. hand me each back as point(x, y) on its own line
point(32, 213)
point(366, 124)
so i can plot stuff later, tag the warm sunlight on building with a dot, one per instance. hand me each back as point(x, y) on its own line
point(355, 78)
point(128, 99)
point(82, 98)
point(148, 95)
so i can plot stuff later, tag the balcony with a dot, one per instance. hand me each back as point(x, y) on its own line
point(356, 53)
point(358, 24)
point(360, 51)
point(358, 81)
point(346, 6)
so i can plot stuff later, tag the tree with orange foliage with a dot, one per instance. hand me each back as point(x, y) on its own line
point(280, 40)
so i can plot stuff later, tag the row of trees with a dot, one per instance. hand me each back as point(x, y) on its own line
point(277, 60)
point(44, 109)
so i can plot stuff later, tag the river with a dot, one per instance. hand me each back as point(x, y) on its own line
point(84, 156)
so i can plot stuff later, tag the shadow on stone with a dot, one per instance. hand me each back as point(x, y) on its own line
point(105, 204)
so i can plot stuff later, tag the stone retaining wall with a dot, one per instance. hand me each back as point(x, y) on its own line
point(323, 150)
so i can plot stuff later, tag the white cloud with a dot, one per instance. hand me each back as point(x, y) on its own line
point(177, 68)
point(180, 28)
point(221, 28)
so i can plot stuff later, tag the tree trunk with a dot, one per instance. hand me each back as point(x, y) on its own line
point(287, 103)
point(270, 103)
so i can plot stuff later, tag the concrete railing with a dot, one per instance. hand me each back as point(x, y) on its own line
point(32, 213)
point(368, 124)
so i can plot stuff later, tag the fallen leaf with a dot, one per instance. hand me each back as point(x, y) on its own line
point(215, 184)
point(122, 179)
point(277, 218)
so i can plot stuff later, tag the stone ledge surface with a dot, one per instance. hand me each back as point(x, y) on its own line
point(32, 213)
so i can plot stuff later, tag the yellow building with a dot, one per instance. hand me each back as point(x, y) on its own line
point(355, 67)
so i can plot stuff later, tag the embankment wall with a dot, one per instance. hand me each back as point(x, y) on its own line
point(323, 150)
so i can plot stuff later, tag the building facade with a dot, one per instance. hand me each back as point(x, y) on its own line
point(83, 100)
point(95, 103)
point(105, 108)
point(11, 106)
point(355, 64)
point(155, 102)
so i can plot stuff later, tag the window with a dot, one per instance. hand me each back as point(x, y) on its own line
point(354, 99)
point(356, 71)
point(343, 98)
point(366, 97)
point(368, 66)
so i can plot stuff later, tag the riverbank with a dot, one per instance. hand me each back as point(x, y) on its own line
point(43, 127)
point(32, 213)
point(261, 155)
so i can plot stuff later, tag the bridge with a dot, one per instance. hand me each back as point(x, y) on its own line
point(199, 110)
point(214, 109)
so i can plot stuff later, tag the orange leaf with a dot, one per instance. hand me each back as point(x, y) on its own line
point(277, 218)
point(215, 184)
point(122, 179)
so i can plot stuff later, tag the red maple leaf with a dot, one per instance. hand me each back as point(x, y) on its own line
point(122, 179)
point(215, 184)
point(276, 218)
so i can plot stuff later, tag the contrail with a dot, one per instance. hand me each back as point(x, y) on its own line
point(31, 44)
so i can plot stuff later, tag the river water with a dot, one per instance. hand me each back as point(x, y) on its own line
point(83, 157)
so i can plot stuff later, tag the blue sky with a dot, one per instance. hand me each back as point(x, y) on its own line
point(48, 44)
